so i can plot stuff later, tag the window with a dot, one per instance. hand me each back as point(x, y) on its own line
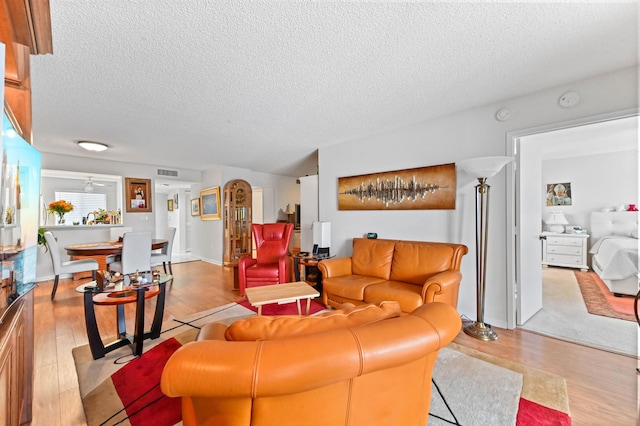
point(83, 203)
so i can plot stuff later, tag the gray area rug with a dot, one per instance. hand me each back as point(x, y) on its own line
point(477, 392)
point(565, 316)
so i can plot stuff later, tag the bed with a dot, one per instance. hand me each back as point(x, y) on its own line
point(614, 250)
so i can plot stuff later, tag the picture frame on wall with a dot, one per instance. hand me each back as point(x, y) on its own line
point(559, 194)
point(210, 203)
point(423, 188)
point(195, 207)
point(138, 195)
point(170, 205)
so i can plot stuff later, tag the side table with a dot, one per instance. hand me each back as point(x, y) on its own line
point(306, 269)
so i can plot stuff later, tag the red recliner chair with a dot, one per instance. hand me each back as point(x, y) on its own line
point(273, 264)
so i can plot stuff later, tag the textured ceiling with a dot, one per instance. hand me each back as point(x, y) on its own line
point(262, 85)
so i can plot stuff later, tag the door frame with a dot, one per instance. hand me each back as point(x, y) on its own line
point(513, 203)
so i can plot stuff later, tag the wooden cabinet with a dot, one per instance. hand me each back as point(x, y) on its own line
point(16, 363)
point(237, 221)
point(569, 250)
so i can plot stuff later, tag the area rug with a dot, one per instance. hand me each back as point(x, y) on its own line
point(120, 389)
point(600, 301)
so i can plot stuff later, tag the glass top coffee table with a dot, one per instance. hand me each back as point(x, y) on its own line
point(119, 296)
point(281, 294)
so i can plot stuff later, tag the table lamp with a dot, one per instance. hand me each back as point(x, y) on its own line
point(555, 222)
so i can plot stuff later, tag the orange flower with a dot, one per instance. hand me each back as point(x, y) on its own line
point(60, 207)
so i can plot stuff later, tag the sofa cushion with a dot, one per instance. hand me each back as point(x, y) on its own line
point(409, 296)
point(414, 262)
point(349, 286)
point(372, 257)
point(272, 327)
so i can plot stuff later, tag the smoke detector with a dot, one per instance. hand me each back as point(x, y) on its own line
point(569, 99)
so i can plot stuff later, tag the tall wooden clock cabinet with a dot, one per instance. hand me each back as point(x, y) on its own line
point(237, 223)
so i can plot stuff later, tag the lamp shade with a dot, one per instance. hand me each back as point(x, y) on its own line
point(556, 222)
point(484, 167)
point(289, 210)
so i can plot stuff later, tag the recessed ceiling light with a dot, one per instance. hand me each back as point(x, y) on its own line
point(93, 146)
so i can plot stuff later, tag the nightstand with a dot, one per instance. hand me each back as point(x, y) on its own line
point(568, 250)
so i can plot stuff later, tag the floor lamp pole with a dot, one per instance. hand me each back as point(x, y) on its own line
point(479, 329)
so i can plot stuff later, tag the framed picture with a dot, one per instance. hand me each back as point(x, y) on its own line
point(559, 194)
point(195, 207)
point(210, 203)
point(170, 205)
point(138, 193)
point(424, 188)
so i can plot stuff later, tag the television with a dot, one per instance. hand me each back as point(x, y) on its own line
point(19, 210)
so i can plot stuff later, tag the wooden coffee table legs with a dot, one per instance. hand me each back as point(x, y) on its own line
point(297, 302)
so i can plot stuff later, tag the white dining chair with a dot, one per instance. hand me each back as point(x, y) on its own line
point(66, 267)
point(136, 253)
point(114, 235)
point(164, 256)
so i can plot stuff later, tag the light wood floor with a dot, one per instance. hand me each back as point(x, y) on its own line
point(602, 386)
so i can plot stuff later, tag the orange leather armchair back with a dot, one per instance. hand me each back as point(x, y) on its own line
point(373, 374)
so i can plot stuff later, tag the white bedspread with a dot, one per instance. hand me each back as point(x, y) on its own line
point(616, 256)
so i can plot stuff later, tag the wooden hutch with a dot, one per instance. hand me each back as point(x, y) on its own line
point(25, 29)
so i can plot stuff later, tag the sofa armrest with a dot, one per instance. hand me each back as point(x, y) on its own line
point(285, 268)
point(335, 267)
point(212, 331)
point(442, 287)
point(243, 264)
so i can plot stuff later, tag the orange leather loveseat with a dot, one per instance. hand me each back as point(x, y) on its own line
point(410, 272)
point(364, 365)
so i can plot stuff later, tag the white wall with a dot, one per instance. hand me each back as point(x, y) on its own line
point(466, 134)
point(207, 241)
point(597, 182)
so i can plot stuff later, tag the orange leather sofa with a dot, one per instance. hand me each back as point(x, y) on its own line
point(410, 272)
point(335, 370)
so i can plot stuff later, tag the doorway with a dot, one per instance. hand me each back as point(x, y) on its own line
point(172, 201)
point(525, 194)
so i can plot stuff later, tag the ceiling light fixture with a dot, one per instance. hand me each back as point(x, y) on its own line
point(93, 146)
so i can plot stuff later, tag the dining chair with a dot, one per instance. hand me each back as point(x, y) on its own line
point(69, 266)
point(136, 253)
point(164, 256)
point(114, 235)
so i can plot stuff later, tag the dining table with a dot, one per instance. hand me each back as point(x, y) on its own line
point(100, 251)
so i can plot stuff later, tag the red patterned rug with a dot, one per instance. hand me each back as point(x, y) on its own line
point(600, 301)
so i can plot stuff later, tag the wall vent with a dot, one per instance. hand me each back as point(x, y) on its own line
point(164, 172)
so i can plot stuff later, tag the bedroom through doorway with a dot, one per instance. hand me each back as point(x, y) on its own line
point(568, 152)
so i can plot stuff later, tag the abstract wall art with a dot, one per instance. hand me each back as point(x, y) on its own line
point(424, 188)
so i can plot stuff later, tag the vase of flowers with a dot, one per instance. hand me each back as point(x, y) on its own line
point(60, 208)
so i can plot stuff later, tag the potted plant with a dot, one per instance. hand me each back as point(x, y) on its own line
point(42, 241)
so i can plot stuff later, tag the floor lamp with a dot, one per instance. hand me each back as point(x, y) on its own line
point(482, 169)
